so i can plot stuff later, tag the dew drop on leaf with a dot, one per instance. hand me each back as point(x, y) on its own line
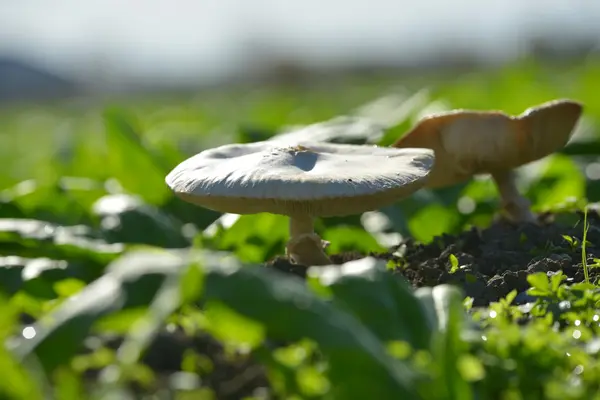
point(29, 332)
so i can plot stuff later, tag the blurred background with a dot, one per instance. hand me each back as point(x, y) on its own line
point(105, 97)
point(64, 47)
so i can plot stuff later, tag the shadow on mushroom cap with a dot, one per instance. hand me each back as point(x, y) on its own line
point(310, 178)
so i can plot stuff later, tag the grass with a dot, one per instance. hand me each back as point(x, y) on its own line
point(584, 262)
point(99, 262)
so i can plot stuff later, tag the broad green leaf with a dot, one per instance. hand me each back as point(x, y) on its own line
point(382, 301)
point(130, 281)
point(33, 239)
point(359, 365)
point(126, 219)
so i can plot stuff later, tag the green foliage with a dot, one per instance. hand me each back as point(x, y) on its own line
point(100, 265)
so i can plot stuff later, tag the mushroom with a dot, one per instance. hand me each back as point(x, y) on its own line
point(302, 181)
point(468, 142)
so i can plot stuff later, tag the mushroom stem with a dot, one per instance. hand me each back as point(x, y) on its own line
point(514, 205)
point(305, 247)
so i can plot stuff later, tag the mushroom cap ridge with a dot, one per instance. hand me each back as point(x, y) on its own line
point(310, 178)
point(469, 142)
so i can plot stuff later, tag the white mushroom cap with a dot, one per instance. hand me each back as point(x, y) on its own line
point(310, 178)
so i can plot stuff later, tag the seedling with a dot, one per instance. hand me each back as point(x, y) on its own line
point(573, 241)
point(453, 263)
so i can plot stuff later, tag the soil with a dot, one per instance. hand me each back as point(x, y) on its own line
point(492, 262)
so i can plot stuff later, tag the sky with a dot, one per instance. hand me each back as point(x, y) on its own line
point(148, 39)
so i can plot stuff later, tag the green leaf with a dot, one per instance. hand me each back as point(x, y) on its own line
point(10, 274)
point(231, 327)
point(20, 380)
point(140, 335)
point(556, 280)
point(130, 282)
point(126, 219)
point(192, 283)
point(438, 302)
point(470, 368)
point(255, 238)
point(33, 239)
point(57, 200)
point(143, 272)
point(359, 365)
point(68, 287)
point(559, 179)
point(131, 160)
point(539, 281)
point(9, 209)
point(120, 321)
point(510, 297)
point(351, 238)
point(58, 335)
point(383, 302)
point(282, 304)
point(453, 263)
point(449, 346)
point(431, 221)
point(40, 276)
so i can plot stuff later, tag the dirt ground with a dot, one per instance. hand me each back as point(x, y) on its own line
point(492, 262)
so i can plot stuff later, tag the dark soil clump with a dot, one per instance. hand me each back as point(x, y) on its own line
point(491, 261)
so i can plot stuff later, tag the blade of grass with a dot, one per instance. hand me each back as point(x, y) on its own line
point(586, 226)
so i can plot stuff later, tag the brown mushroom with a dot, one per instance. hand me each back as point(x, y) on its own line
point(468, 142)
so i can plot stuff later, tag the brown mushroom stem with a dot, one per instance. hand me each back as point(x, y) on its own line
point(515, 206)
point(305, 247)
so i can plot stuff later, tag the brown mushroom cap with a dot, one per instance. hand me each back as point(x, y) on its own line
point(468, 142)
